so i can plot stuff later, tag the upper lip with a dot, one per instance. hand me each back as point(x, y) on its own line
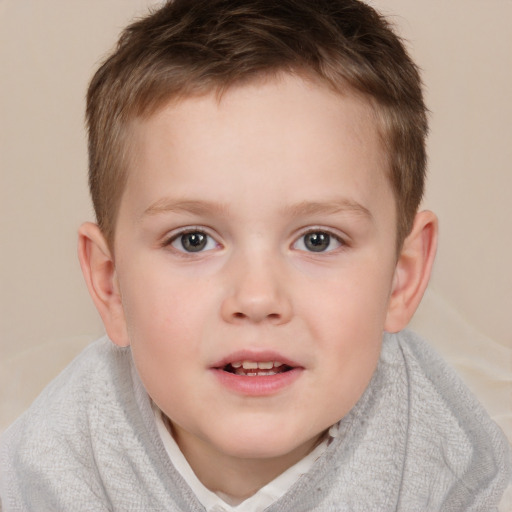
point(255, 355)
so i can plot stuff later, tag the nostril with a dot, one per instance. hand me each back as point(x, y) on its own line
point(241, 316)
point(271, 317)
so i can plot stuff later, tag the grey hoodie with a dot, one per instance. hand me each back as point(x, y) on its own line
point(416, 441)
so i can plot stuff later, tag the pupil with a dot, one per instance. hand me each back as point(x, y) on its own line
point(193, 242)
point(317, 242)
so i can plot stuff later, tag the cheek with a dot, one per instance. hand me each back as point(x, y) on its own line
point(159, 300)
point(165, 326)
point(351, 330)
point(168, 321)
point(347, 323)
point(355, 299)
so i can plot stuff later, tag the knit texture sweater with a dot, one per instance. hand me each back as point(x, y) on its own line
point(416, 441)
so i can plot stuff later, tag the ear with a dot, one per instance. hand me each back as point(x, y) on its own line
point(412, 271)
point(100, 275)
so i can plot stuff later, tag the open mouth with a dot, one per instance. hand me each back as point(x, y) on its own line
point(271, 373)
point(256, 368)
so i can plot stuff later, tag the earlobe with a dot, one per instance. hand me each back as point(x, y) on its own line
point(100, 276)
point(412, 272)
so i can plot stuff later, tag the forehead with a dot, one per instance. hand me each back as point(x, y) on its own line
point(286, 129)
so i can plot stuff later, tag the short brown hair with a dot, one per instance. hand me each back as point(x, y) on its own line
point(194, 46)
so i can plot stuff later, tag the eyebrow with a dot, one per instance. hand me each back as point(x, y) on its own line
point(341, 205)
point(301, 209)
point(166, 205)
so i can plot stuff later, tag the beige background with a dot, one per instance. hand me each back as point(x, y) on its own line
point(48, 51)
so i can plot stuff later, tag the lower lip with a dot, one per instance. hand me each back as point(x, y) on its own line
point(257, 386)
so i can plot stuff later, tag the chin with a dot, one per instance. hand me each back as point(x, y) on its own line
point(264, 444)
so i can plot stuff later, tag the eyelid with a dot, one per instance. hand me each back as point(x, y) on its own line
point(170, 237)
point(334, 233)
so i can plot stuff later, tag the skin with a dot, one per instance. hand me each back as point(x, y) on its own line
point(254, 172)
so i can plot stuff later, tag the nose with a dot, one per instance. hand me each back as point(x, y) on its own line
point(257, 293)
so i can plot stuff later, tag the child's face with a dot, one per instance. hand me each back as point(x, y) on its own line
point(258, 228)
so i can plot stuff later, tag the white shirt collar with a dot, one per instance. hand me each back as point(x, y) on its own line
point(218, 502)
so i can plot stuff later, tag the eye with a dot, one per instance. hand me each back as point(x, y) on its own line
point(318, 241)
point(193, 241)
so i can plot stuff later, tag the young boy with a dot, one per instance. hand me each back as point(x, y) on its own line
point(256, 169)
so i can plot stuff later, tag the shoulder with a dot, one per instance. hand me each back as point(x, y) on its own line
point(450, 434)
point(437, 394)
point(52, 440)
point(90, 442)
point(89, 378)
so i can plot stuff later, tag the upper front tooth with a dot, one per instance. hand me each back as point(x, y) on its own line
point(252, 365)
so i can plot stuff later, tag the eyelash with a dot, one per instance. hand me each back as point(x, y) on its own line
point(321, 231)
point(301, 240)
point(175, 237)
